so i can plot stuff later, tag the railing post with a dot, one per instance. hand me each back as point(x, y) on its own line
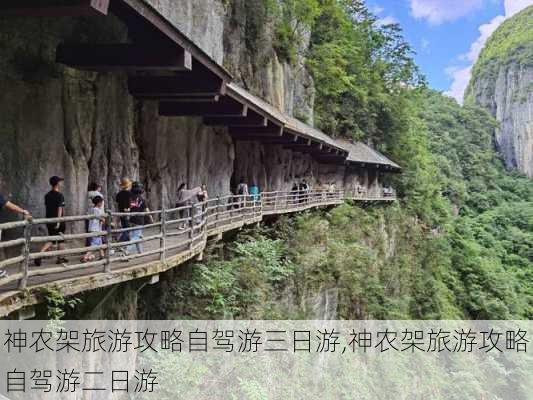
point(109, 238)
point(26, 253)
point(191, 226)
point(217, 216)
point(163, 240)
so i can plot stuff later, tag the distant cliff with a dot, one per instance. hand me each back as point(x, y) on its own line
point(502, 82)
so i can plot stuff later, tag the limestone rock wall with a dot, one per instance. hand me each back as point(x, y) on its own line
point(508, 95)
point(86, 127)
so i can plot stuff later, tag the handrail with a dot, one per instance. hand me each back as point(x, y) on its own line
point(170, 232)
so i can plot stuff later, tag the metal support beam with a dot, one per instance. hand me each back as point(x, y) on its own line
point(103, 57)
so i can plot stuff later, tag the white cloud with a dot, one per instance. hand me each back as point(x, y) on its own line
point(439, 11)
point(424, 45)
point(461, 75)
point(376, 10)
point(386, 20)
point(514, 6)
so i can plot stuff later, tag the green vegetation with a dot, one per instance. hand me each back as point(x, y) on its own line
point(511, 42)
point(57, 305)
point(359, 69)
point(459, 243)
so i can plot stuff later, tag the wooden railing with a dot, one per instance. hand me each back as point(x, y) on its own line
point(168, 233)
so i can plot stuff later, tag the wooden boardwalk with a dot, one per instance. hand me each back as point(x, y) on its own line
point(174, 236)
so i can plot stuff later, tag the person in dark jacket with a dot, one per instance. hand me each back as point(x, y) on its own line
point(137, 205)
point(123, 199)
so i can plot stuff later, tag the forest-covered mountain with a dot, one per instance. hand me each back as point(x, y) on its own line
point(458, 244)
point(502, 83)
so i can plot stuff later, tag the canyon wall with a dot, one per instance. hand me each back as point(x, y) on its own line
point(502, 83)
point(86, 127)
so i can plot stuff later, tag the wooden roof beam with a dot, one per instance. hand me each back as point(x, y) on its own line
point(224, 107)
point(262, 139)
point(251, 120)
point(103, 57)
point(53, 8)
point(270, 130)
point(307, 147)
point(182, 84)
point(138, 15)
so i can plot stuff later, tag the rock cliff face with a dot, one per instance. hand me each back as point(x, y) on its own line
point(502, 83)
point(86, 127)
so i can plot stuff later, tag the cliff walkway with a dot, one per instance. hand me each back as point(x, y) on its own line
point(171, 237)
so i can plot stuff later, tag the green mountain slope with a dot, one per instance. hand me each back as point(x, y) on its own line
point(512, 42)
point(458, 244)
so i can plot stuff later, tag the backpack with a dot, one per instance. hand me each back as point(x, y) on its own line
point(137, 205)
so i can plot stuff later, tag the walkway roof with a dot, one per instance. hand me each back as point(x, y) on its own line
point(166, 65)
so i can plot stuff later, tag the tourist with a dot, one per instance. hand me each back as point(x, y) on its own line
point(137, 205)
point(123, 199)
point(360, 189)
point(242, 192)
point(55, 208)
point(303, 188)
point(180, 202)
point(295, 192)
point(96, 225)
point(203, 195)
point(186, 198)
point(254, 191)
point(8, 205)
point(319, 190)
point(94, 190)
point(242, 188)
point(5, 204)
point(332, 189)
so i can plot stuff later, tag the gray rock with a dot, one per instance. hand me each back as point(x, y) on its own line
point(508, 95)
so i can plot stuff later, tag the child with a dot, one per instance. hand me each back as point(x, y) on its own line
point(96, 225)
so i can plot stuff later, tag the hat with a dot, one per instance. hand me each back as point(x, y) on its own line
point(125, 183)
point(54, 180)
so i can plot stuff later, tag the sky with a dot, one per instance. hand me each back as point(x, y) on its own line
point(447, 35)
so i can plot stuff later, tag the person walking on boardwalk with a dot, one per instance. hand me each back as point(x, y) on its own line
point(303, 189)
point(185, 198)
point(54, 202)
point(203, 195)
point(96, 225)
point(95, 189)
point(254, 191)
point(123, 199)
point(181, 202)
point(137, 205)
point(5, 204)
point(242, 192)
